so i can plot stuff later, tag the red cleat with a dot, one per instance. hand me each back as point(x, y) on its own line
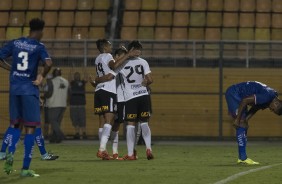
point(115, 156)
point(149, 154)
point(126, 157)
point(103, 155)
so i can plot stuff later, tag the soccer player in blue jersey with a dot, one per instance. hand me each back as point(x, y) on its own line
point(26, 53)
point(39, 139)
point(244, 100)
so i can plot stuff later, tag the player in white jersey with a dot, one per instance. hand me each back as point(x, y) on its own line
point(120, 105)
point(137, 76)
point(120, 52)
point(105, 92)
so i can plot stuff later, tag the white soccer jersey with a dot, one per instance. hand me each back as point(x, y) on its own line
point(133, 74)
point(102, 68)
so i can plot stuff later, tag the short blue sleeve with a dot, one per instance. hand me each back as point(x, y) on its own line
point(7, 50)
point(43, 54)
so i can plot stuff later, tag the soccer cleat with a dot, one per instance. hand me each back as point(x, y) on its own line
point(8, 166)
point(149, 154)
point(28, 173)
point(103, 155)
point(126, 157)
point(2, 155)
point(115, 156)
point(248, 161)
point(49, 156)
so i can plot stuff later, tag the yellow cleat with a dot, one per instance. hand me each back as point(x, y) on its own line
point(248, 161)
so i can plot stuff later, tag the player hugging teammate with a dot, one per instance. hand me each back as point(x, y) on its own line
point(136, 76)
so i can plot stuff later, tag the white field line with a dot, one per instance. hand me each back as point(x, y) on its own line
point(235, 176)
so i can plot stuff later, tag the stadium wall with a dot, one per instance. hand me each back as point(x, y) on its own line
point(185, 102)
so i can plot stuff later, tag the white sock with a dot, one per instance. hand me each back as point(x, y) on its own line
point(130, 139)
point(100, 133)
point(146, 133)
point(114, 138)
point(105, 136)
point(138, 132)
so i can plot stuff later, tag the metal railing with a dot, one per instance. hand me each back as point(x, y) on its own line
point(195, 51)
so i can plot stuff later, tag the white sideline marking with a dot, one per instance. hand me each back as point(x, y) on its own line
point(235, 176)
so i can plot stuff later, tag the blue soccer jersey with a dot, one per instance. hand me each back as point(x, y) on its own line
point(262, 93)
point(236, 93)
point(26, 54)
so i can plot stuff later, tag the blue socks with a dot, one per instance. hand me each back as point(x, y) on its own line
point(241, 136)
point(14, 139)
point(40, 141)
point(6, 139)
point(28, 148)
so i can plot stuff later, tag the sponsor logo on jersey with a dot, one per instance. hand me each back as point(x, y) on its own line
point(135, 86)
point(24, 45)
point(15, 73)
point(139, 92)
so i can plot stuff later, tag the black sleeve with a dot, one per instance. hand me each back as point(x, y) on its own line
point(50, 89)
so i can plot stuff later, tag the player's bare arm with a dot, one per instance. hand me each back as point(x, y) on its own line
point(115, 64)
point(47, 67)
point(252, 112)
point(104, 78)
point(94, 81)
point(246, 101)
point(91, 80)
point(5, 65)
point(147, 80)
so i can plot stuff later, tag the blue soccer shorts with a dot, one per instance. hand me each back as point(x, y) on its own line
point(233, 101)
point(24, 109)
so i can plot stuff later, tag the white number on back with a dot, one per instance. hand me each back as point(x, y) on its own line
point(24, 65)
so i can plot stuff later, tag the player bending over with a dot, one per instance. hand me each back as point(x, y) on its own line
point(256, 96)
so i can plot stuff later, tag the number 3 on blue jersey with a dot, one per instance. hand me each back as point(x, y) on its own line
point(24, 65)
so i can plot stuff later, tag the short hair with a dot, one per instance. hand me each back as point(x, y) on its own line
point(36, 24)
point(120, 51)
point(101, 43)
point(56, 72)
point(135, 44)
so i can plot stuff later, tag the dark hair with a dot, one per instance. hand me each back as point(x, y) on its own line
point(120, 51)
point(56, 72)
point(134, 44)
point(101, 44)
point(36, 24)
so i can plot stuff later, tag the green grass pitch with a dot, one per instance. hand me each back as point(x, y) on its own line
point(174, 163)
